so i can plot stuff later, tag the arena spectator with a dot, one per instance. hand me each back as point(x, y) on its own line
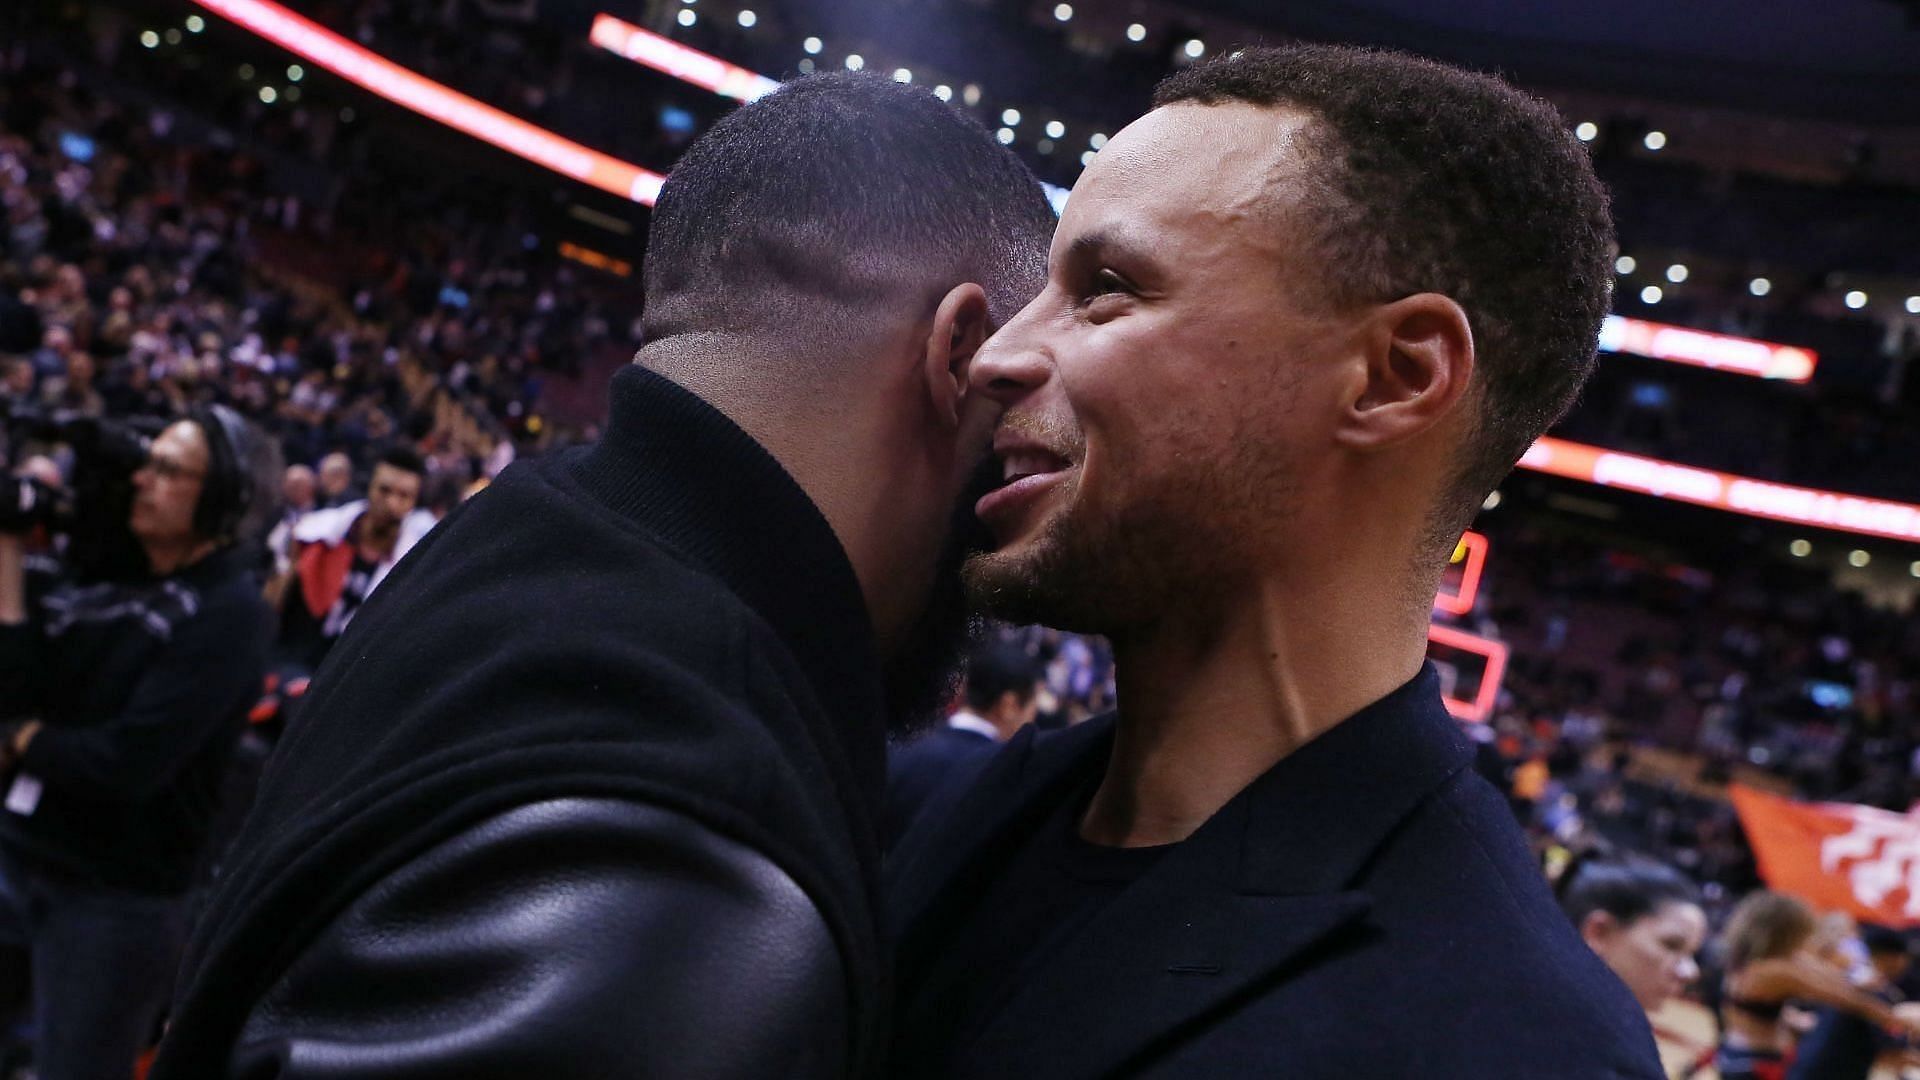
point(343, 553)
point(1843, 1044)
point(1770, 961)
point(336, 479)
point(1641, 917)
point(1000, 696)
point(122, 702)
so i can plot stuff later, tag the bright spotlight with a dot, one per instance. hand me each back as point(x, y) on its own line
point(855, 61)
point(970, 94)
point(1858, 558)
point(1063, 12)
point(295, 73)
point(196, 24)
point(748, 18)
point(1098, 140)
point(1624, 264)
point(687, 17)
point(1654, 140)
point(1005, 135)
point(1651, 294)
point(943, 92)
point(1677, 273)
point(1856, 299)
point(1196, 48)
point(1800, 548)
point(1010, 117)
point(150, 39)
point(1056, 129)
point(1759, 286)
point(1587, 131)
point(1913, 305)
point(1087, 158)
point(269, 95)
point(902, 75)
point(1136, 33)
point(813, 45)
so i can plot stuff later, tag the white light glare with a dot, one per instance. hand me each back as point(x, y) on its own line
point(1587, 131)
point(1005, 135)
point(1654, 140)
point(1196, 48)
point(687, 17)
point(1677, 273)
point(295, 73)
point(1056, 129)
point(1010, 117)
point(269, 95)
point(195, 23)
point(813, 45)
point(1856, 299)
point(1800, 548)
point(1759, 286)
point(1063, 12)
point(1098, 140)
point(748, 18)
point(1651, 294)
point(902, 75)
point(1087, 158)
point(1136, 33)
point(970, 94)
point(855, 61)
point(1857, 557)
point(943, 92)
point(1913, 305)
point(1624, 264)
point(150, 39)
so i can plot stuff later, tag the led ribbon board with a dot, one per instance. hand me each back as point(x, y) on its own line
point(1725, 491)
point(1721, 352)
point(669, 57)
point(403, 86)
point(1447, 645)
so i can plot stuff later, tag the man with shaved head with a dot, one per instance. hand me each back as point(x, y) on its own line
point(1299, 320)
point(591, 787)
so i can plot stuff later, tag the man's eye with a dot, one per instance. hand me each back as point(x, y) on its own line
point(1106, 283)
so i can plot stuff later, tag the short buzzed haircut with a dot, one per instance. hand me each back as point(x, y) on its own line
point(995, 668)
point(1427, 178)
point(838, 196)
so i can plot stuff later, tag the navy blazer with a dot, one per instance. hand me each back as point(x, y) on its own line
point(1367, 908)
point(918, 771)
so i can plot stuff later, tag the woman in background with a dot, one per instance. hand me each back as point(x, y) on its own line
point(1640, 916)
point(1771, 959)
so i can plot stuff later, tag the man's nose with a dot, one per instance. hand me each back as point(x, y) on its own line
point(1013, 364)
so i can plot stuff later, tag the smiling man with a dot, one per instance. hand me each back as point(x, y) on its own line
point(1299, 320)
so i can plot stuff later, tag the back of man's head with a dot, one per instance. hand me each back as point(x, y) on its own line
point(995, 669)
point(836, 210)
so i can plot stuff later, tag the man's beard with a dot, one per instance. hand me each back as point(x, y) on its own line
point(924, 674)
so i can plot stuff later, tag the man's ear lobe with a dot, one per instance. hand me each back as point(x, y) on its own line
point(1418, 368)
point(960, 326)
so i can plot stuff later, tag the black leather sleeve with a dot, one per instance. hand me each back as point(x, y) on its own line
point(588, 938)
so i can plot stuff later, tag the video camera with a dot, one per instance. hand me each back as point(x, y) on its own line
point(91, 516)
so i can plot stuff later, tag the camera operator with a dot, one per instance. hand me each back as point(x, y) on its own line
point(123, 700)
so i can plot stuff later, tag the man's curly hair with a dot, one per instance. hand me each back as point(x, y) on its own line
point(1426, 178)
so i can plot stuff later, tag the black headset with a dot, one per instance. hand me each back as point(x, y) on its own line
point(227, 493)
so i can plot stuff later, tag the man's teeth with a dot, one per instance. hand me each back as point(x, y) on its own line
point(1029, 463)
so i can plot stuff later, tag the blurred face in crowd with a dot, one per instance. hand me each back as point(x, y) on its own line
point(1172, 389)
point(19, 378)
point(391, 496)
point(168, 486)
point(79, 369)
point(336, 473)
point(1654, 954)
point(297, 487)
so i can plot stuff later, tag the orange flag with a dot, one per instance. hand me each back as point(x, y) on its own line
point(1836, 856)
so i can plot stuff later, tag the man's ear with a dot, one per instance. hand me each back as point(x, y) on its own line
point(960, 327)
point(1418, 367)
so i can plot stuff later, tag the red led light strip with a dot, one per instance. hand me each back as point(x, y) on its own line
point(402, 86)
point(1722, 352)
point(1480, 708)
point(1725, 491)
point(669, 57)
point(1473, 559)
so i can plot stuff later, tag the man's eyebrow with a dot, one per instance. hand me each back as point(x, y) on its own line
point(1104, 244)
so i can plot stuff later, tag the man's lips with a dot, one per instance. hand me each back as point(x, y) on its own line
point(1028, 472)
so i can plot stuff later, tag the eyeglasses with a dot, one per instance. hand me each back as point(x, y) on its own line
point(171, 470)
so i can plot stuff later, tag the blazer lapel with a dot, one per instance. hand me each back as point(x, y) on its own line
point(1176, 946)
point(1259, 891)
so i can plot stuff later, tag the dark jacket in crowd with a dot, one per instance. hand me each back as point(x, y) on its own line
point(918, 771)
point(143, 689)
point(1367, 908)
point(588, 789)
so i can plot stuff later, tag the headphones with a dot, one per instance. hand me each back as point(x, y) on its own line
point(227, 493)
